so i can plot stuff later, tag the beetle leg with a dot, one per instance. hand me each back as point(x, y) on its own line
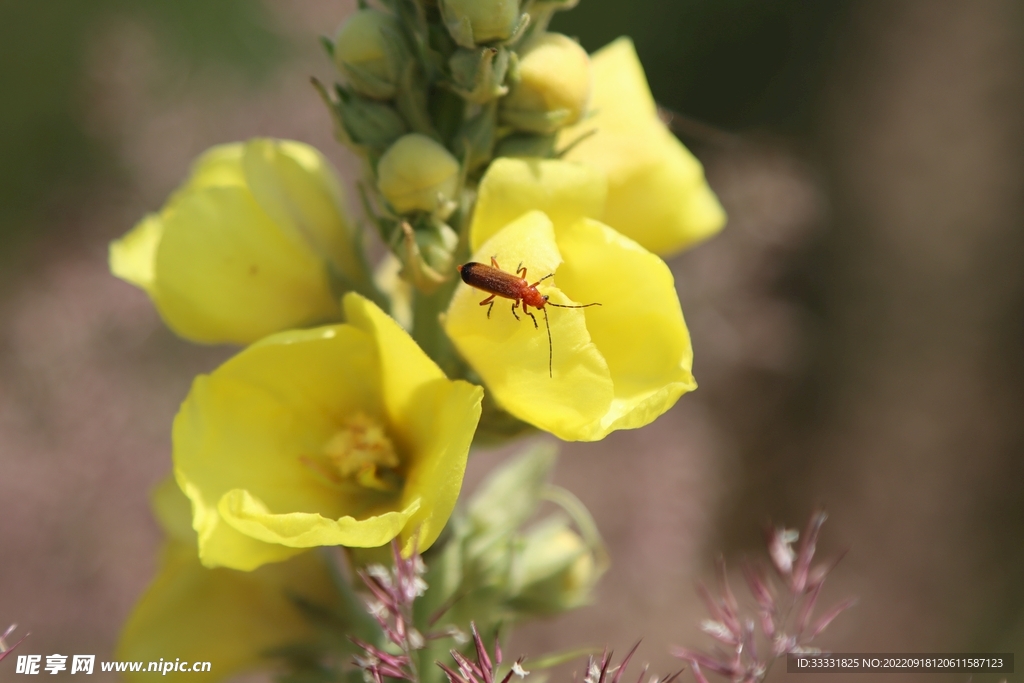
point(520, 271)
point(494, 262)
point(527, 312)
point(515, 304)
point(489, 300)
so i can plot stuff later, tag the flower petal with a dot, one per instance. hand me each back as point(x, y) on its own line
point(564, 191)
point(219, 166)
point(133, 257)
point(173, 511)
point(639, 328)
point(221, 616)
point(512, 356)
point(657, 194)
point(225, 272)
point(297, 188)
point(250, 515)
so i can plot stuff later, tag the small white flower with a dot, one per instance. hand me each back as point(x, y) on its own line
point(381, 573)
point(718, 631)
point(376, 608)
point(415, 638)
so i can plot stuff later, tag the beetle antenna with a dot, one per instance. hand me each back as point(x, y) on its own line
point(551, 374)
point(564, 306)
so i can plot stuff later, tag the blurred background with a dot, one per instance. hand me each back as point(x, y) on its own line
point(858, 326)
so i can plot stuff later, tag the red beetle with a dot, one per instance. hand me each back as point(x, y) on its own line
point(496, 282)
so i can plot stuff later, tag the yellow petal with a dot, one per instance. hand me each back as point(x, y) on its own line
point(564, 191)
point(225, 272)
point(512, 356)
point(252, 517)
point(173, 511)
point(639, 328)
point(221, 616)
point(297, 188)
point(437, 440)
point(219, 166)
point(133, 257)
point(657, 194)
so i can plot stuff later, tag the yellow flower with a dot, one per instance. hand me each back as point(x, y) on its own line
point(657, 194)
point(615, 366)
point(250, 245)
point(342, 435)
point(221, 616)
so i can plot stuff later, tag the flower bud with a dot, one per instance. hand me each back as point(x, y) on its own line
point(373, 124)
point(473, 22)
point(417, 174)
point(553, 87)
point(369, 52)
point(557, 570)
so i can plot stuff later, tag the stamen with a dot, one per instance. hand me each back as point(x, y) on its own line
point(361, 452)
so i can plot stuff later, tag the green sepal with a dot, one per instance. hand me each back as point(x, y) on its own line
point(479, 75)
point(328, 45)
point(474, 142)
point(411, 99)
point(373, 124)
point(527, 145)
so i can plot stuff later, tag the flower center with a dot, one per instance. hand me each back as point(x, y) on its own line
point(361, 452)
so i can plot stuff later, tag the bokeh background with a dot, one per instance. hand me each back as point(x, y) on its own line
point(859, 325)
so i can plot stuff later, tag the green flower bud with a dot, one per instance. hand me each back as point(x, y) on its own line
point(372, 124)
point(368, 51)
point(479, 75)
point(553, 86)
point(418, 174)
point(556, 570)
point(473, 22)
